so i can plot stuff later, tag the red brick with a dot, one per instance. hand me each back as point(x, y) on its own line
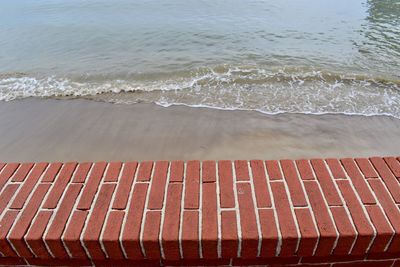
point(112, 173)
point(2, 164)
point(388, 177)
point(366, 168)
point(5, 225)
point(54, 233)
point(151, 231)
point(6, 173)
point(358, 181)
point(176, 172)
point(225, 177)
point(145, 169)
point(336, 168)
point(365, 264)
point(59, 186)
point(308, 232)
point(22, 172)
point(347, 233)
point(326, 182)
point(260, 184)
point(305, 170)
point(159, 179)
point(248, 221)
point(209, 231)
point(96, 220)
point(22, 224)
point(190, 234)
point(293, 182)
point(192, 185)
point(363, 226)
point(6, 196)
point(242, 170)
point(28, 186)
point(51, 172)
point(73, 232)
point(124, 186)
point(58, 262)
point(394, 165)
point(273, 170)
point(34, 237)
point(7, 261)
point(111, 233)
point(229, 236)
point(170, 232)
point(391, 211)
point(197, 262)
point(383, 229)
point(324, 222)
point(269, 233)
point(331, 258)
point(208, 170)
point(285, 218)
point(131, 231)
point(275, 261)
point(91, 186)
point(82, 172)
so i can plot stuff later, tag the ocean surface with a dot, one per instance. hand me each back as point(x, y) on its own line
point(302, 56)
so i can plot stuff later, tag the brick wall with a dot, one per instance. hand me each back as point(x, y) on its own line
point(319, 212)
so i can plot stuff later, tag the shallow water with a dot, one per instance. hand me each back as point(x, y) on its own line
point(305, 56)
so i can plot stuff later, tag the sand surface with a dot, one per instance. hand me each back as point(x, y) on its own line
point(83, 130)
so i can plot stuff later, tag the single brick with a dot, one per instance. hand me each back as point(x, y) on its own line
point(305, 170)
point(269, 233)
point(28, 186)
point(209, 230)
point(131, 231)
point(112, 173)
point(82, 172)
point(91, 186)
point(51, 172)
point(286, 221)
point(176, 172)
point(358, 181)
point(6, 173)
point(242, 170)
point(22, 172)
point(145, 169)
point(96, 220)
point(208, 170)
point(308, 232)
point(170, 231)
point(6, 196)
point(260, 184)
point(227, 199)
point(71, 237)
point(158, 185)
point(366, 168)
point(151, 231)
point(192, 185)
point(111, 233)
point(5, 225)
point(273, 170)
point(34, 237)
point(384, 231)
point(190, 234)
point(124, 186)
point(248, 221)
point(229, 236)
point(388, 177)
point(394, 165)
point(59, 186)
point(336, 168)
point(363, 226)
point(54, 233)
point(324, 222)
point(294, 184)
point(347, 233)
point(326, 182)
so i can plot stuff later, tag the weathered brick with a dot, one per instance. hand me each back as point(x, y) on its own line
point(145, 169)
point(112, 173)
point(22, 172)
point(336, 168)
point(192, 185)
point(111, 233)
point(347, 233)
point(229, 236)
point(208, 171)
point(91, 186)
point(293, 182)
point(384, 231)
point(82, 172)
point(308, 232)
point(124, 186)
point(269, 233)
point(366, 168)
point(158, 181)
point(242, 170)
point(225, 177)
point(393, 165)
point(273, 170)
point(51, 172)
point(209, 231)
point(5, 225)
point(72, 234)
point(305, 170)
point(34, 237)
point(326, 182)
point(260, 184)
point(150, 234)
point(190, 234)
point(387, 176)
point(6, 173)
point(176, 171)
point(6, 196)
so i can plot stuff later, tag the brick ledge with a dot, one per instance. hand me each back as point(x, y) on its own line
point(343, 212)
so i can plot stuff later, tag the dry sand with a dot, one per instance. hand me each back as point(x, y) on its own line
point(82, 130)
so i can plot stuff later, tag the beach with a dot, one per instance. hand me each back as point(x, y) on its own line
point(84, 130)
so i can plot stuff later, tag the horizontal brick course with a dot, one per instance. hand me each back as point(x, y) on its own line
point(319, 212)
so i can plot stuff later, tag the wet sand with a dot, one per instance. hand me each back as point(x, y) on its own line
point(83, 130)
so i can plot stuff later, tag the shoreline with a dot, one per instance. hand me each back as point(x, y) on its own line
point(86, 130)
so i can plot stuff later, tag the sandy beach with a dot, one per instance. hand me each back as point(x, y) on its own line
point(82, 130)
